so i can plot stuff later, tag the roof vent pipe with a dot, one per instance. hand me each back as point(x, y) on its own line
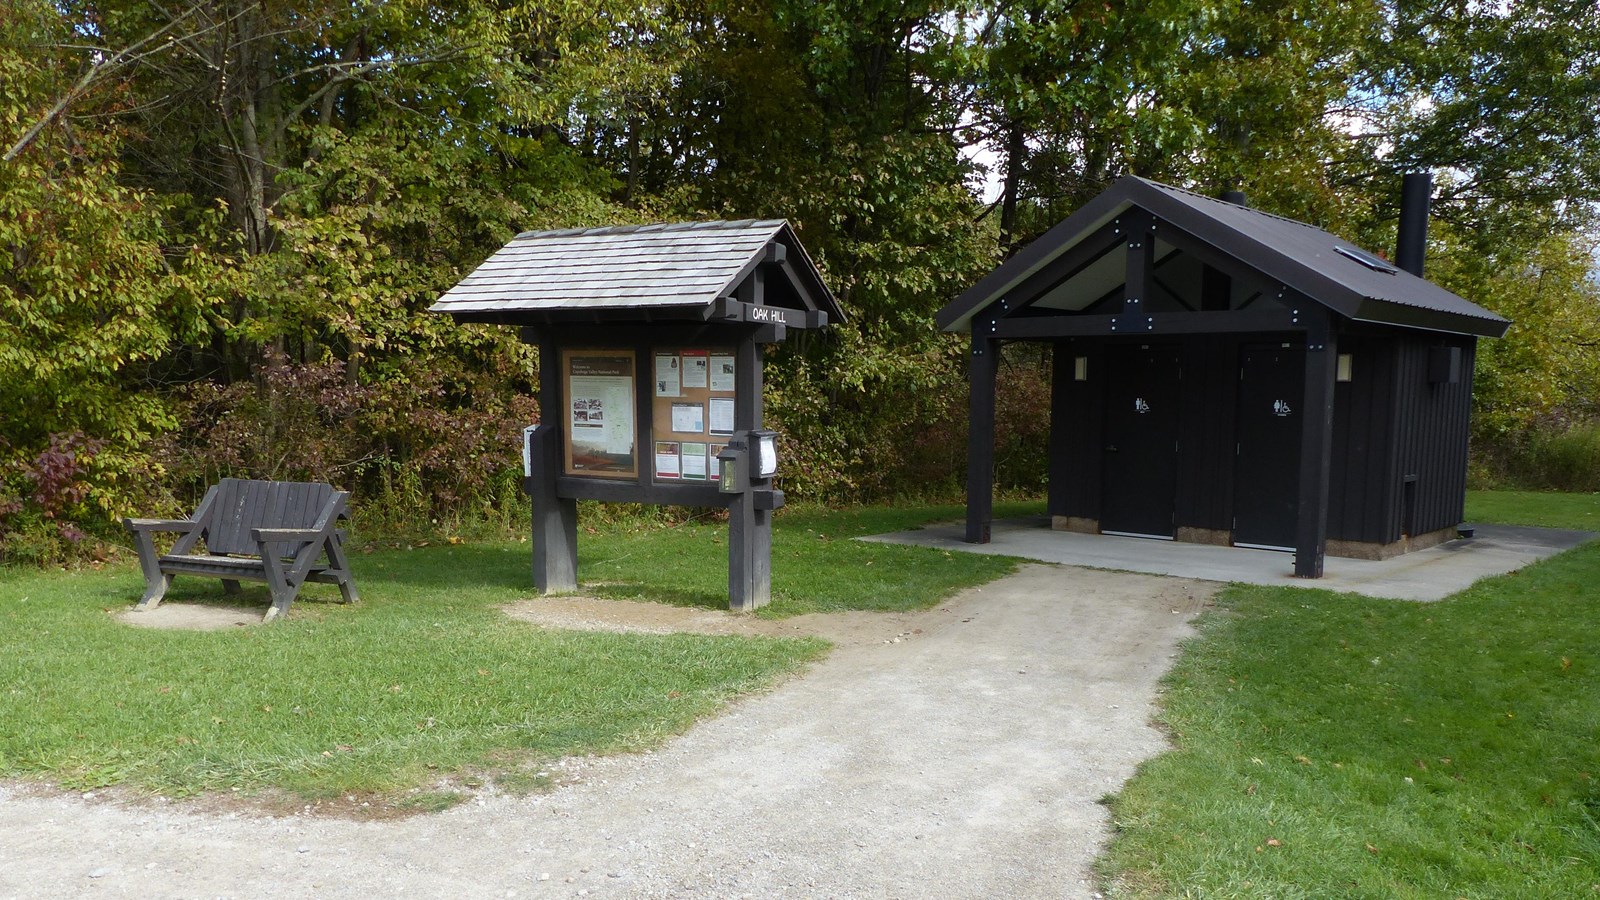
point(1235, 197)
point(1411, 247)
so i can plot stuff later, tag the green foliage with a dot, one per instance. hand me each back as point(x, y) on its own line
point(197, 199)
point(1509, 114)
point(93, 293)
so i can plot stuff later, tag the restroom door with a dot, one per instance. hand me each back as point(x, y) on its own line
point(1140, 469)
point(1266, 495)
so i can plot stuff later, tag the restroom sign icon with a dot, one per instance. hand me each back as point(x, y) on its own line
point(1139, 406)
point(1281, 408)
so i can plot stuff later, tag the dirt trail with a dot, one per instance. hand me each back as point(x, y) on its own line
point(964, 759)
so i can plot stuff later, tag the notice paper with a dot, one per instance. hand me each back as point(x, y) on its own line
point(712, 454)
point(694, 462)
point(669, 376)
point(722, 378)
point(695, 363)
point(689, 418)
point(667, 466)
point(721, 415)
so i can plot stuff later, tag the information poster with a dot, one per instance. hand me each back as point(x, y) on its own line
point(669, 375)
point(688, 418)
point(712, 453)
point(696, 364)
point(722, 374)
point(693, 407)
point(668, 467)
point(722, 415)
point(694, 462)
point(600, 432)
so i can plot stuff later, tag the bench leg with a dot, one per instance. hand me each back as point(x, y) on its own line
point(154, 590)
point(230, 586)
point(282, 590)
point(156, 581)
point(347, 589)
point(339, 568)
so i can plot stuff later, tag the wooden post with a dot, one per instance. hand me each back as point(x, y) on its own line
point(555, 520)
point(749, 528)
point(1141, 266)
point(983, 364)
point(1316, 446)
point(1062, 364)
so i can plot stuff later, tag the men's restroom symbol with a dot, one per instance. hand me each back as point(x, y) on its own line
point(1139, 406)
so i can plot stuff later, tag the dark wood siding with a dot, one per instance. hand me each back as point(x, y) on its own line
point(1399, 442)
point(1359, 477)
point(1206, 443)
point(1432, 420)
point(1077, 410)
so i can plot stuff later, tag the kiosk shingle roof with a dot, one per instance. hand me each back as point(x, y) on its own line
point(623, 267)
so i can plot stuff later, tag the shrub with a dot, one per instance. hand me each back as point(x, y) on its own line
point(1568, 460)
point(42, 496)
point(422, 442)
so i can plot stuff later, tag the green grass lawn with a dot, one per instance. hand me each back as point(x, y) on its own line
point(424, 678)
point(1338, 745)
point(1552, 510)
point(816, 567)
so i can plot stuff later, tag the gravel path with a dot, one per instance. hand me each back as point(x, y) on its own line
point(965, 759)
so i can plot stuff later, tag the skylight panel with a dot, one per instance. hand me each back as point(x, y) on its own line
point(1367, 259)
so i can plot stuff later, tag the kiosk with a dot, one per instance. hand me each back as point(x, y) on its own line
point(651, 342)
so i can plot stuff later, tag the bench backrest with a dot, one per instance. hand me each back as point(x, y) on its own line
point(241, 505)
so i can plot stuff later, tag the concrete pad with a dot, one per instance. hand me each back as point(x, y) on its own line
point(1431, 574)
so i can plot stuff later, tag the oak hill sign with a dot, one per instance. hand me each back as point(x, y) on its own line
point(651, 342)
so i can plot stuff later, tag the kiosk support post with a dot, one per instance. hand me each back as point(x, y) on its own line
point(555, 519)
point(749, 528)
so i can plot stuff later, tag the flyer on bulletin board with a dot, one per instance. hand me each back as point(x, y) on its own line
point(694, 462)
point(722, 373)
point(667, 461)
point(669, 375)
point(695, 366)
point(689, 418)
point(712, 453)
point(721, 415)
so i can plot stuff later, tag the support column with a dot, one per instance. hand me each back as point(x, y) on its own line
point(749, 528)
point(555, 520)
point(1062, 362)
point(1316, 446)
point(983, 364)
point(1140, 273)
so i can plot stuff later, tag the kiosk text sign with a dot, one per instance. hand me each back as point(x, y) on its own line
point(601, 432)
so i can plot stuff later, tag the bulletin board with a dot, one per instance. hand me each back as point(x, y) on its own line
point(693, 411)
point(601, 437)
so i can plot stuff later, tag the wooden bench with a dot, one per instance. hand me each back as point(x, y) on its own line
point(284, 533)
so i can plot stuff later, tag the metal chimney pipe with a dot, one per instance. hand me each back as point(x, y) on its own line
point(1235, 197)
point(1411, 247)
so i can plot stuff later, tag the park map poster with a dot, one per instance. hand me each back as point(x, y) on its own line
point(599, 392)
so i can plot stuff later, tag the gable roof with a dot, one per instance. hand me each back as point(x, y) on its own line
point(1303, 257)
point(686, 265)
